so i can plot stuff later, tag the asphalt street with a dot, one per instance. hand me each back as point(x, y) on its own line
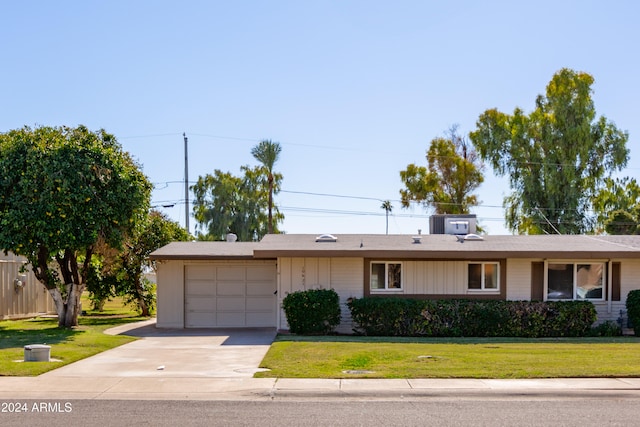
point(593, 409)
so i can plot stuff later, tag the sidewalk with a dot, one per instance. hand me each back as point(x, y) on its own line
point(135, 388)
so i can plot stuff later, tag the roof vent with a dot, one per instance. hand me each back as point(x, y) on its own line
point(416, 239)
point(326, 238)
point(471, 237)
point(231, 237)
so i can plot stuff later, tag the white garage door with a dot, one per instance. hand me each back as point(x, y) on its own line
point(230, 294)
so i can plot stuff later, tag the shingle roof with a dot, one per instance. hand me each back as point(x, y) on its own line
point(441, 246)
point(205, 250)
point(433, 246)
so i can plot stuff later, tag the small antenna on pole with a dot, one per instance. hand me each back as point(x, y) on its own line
point(186, 183)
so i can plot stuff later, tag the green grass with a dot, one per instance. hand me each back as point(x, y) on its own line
point(67, 345)
point(330, 357)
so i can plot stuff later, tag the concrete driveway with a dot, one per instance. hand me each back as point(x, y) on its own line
point(173, 353)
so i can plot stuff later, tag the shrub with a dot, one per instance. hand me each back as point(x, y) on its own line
point(471, 318)
point(314, 311)
point(633, 310)
point(607, 329)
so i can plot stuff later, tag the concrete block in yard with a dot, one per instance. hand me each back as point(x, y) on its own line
point(37, 353)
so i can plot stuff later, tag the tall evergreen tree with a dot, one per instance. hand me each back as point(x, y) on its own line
point(447, 183)
point(557, 157)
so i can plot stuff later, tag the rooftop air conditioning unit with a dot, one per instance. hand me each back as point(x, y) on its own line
point(458, 225)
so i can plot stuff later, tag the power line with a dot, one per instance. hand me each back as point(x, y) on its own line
point(148, 136)
point(340, 148)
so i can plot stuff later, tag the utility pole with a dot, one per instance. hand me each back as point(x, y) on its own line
point(186, 183)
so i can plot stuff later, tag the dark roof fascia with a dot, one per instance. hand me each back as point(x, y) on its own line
point(200, 257)
point(442, 255)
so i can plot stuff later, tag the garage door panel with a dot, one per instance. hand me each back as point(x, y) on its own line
point(258, 304)
point(262, 288)
point(232, 273)
point(230, 288)
point(200, 319)
point(260, 319)
point(230, 304)
point(200, 287)
point(201, 304)
point(231, 319)
point(200, 272)
point(260, 273)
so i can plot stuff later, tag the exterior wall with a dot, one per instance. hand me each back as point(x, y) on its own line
point(344, 275)
point(434, 277)
point(30, 300)
point(347, 276)
point(630, 279)
point(519, 279)
point(170, 293)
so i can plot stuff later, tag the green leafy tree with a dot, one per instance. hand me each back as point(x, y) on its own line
point(62, 190)
point(617, 206)
point(225, 203)
point(447, 184)
point(557, 157)
point(122, 271)
point(267, 153)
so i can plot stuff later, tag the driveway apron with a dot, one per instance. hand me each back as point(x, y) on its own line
point(177, 353)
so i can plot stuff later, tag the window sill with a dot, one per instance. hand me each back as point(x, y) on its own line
point(386, 291)
point(483, 291)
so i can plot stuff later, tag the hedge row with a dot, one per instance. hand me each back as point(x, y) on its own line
point(633, 310)
point(471, 318)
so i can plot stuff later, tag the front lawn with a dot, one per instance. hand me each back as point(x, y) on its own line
point(67, 345)
point(379, 357)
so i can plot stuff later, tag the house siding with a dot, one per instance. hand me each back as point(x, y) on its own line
point(435, 279)
point(519, 279)
point(629, 280)
point(432, 277)
point(170, 293)
point(344, 275)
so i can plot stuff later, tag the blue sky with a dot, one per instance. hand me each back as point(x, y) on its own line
point(353, 90)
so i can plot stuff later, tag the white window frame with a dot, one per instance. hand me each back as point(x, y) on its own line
point(482, 276)
point(605, 279)
point(386, 277)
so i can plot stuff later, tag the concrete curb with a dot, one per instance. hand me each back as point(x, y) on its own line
point(135, 388)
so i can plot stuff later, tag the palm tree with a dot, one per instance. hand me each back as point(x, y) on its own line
point(388, 207)
point(267, 152)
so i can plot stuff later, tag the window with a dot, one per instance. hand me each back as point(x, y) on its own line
point(484, 276)
point(581, 280)
point(386, 276)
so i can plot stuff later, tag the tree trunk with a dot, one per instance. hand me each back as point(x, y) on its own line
point(73, 305)
point(270, 224)
point(59, 303)
point(142, 304)
point(67, 311)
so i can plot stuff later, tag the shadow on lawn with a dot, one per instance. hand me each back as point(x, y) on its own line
point(47, 333)
point(45, 330)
